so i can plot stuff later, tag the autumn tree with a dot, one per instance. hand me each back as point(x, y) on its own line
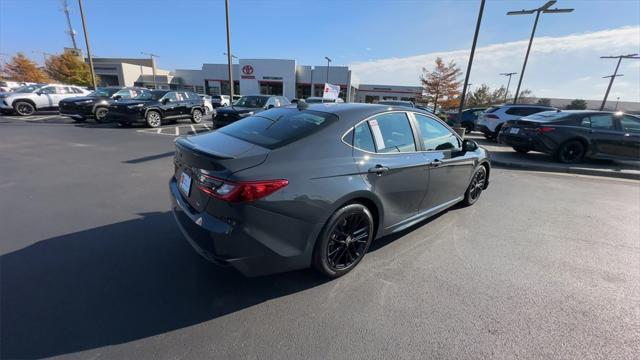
point(69, 68)
point(544, 102)
point(577, 104)
point(441, 84)
point(21, 68)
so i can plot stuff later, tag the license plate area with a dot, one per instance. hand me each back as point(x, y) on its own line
point(514, 130)
point(185, 183)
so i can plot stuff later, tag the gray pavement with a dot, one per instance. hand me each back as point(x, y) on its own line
point(93, 266)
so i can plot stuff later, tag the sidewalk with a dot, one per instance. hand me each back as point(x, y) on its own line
point(505, 156)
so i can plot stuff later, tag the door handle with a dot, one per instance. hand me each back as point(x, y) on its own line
point(378, 169)
point(435, 163)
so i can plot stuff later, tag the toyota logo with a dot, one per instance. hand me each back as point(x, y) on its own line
point(247, 69)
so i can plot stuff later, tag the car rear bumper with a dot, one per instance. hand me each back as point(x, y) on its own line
point(244, 246)
point(525, 141)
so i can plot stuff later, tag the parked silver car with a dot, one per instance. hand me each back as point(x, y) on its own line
point(45, 98)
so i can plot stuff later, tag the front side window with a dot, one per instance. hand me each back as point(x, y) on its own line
point(171, 96)
point(630, 124)
point(251, 101)
point(435, 136)
point(48, 90)
point(392, 133)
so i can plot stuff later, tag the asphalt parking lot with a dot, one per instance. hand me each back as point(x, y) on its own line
point(92, 265)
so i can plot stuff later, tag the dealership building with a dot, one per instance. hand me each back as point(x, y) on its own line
point(250, 76)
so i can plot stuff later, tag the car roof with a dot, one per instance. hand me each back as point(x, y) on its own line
point(357, 109)
point(524, 105)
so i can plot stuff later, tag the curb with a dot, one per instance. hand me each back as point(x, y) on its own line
point(566, 170)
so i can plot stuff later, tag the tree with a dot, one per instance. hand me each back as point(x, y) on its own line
point(441, 83)
point(68, 68)
point(526, 97)
point(479, 97)
point(22, 68)
point(500, 95)
point(544, 102)
point(577, 104)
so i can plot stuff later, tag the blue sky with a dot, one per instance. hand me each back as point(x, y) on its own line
point(188, 33)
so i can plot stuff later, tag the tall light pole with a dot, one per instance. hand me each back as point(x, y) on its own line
point(543, 9)
point(506, 92)
point(233, 56)
point(328, 64)
point(86, 41)
point(615, 73)
point(153, 67)
point(466, 77)
point(229, 61)
point(70, 31)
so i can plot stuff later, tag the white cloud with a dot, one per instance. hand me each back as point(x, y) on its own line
point(565, 67)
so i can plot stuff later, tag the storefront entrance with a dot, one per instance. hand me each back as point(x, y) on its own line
point(271, 88)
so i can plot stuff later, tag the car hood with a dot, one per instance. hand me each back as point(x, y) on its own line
point(237, 110)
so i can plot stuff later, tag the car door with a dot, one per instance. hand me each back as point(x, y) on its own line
point(630, 127)
point(449, 167)
point(605, 138)
point(388, 160)
point(170, 106)
point(46, 97)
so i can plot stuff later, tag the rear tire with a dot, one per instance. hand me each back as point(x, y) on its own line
point(344, 240)
point(153, 119)
point(521, 150)
point(571, 152)
point(196, 116)
point(477, 184)
point(468, 126)
point(24, 108)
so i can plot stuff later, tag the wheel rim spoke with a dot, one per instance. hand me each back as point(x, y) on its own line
point(348, 240)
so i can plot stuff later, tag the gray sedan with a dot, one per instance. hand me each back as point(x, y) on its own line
point(314, 185)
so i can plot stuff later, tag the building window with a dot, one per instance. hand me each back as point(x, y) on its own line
point(270, 88)
point(371, 99)
point(303, 91)
point(200, 89)
point(224, 88)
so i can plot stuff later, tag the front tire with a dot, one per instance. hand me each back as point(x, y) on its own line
point(344, 240)
point(477, 184)
point(24, 108)
point(196, 116)
point(101, 115)
point(153, 119)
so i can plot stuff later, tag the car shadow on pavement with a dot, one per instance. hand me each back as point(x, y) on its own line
point(118, 283)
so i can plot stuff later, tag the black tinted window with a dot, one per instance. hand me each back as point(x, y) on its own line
point(602, 121)
point(392, 133)
point(278, 127)
point(630, 124)
point(363, 139)
point(436, 136)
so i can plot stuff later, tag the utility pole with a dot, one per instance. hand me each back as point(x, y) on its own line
point(70, 31)
point(615, 73)
point(86, 40)
point(328, 64)
point(543, 9)
point(617, 101)
point(229, 61)
point(506, 92)
point(466, 77)
point(153, 67)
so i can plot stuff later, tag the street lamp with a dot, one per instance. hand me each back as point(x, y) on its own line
point(328, 63)
point(153, 67)
point(233, 56)
point(86, 41)
point(543, 9)
point(508, 83)
point(615, 73)
point(466, 77)
point(229, 61)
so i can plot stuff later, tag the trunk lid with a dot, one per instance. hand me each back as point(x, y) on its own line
point(211, 155)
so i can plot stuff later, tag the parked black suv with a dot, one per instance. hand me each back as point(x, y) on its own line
point(247, 106)
point(155, 106)
point(96, 104)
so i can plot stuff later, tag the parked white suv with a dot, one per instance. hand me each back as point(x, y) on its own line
point(45, 98)
point(490, 121)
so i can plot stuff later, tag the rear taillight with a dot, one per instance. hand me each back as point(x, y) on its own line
point(490, 116)
point(545, 129)
point(241, 191)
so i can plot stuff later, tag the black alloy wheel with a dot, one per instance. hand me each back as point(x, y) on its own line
point(344, 241)
point(196, 116)
point(476, 186)
point(571, 152)
point(24, 108)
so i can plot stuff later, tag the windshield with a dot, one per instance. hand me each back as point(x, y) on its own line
point(103, 92)
point(492, 109)
point(27, 88)
point(251, 101)
point(278, 127)
point(546, 116)
point(150, 95)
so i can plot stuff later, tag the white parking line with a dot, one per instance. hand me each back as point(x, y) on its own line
point(177, 131)
point(159, 131)
point(192, 128)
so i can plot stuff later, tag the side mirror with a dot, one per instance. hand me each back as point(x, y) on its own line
point(270, 106)
point(117, 97)
point(38, 93)
point(165, 101)
point(469, 145)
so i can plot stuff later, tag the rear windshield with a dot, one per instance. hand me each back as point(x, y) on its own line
point(492, 109)
point(278, 127)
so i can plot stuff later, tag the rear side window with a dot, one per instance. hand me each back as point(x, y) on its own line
point(392, 133)
point(278, 127)
point(363, 139)
point(602, 121)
